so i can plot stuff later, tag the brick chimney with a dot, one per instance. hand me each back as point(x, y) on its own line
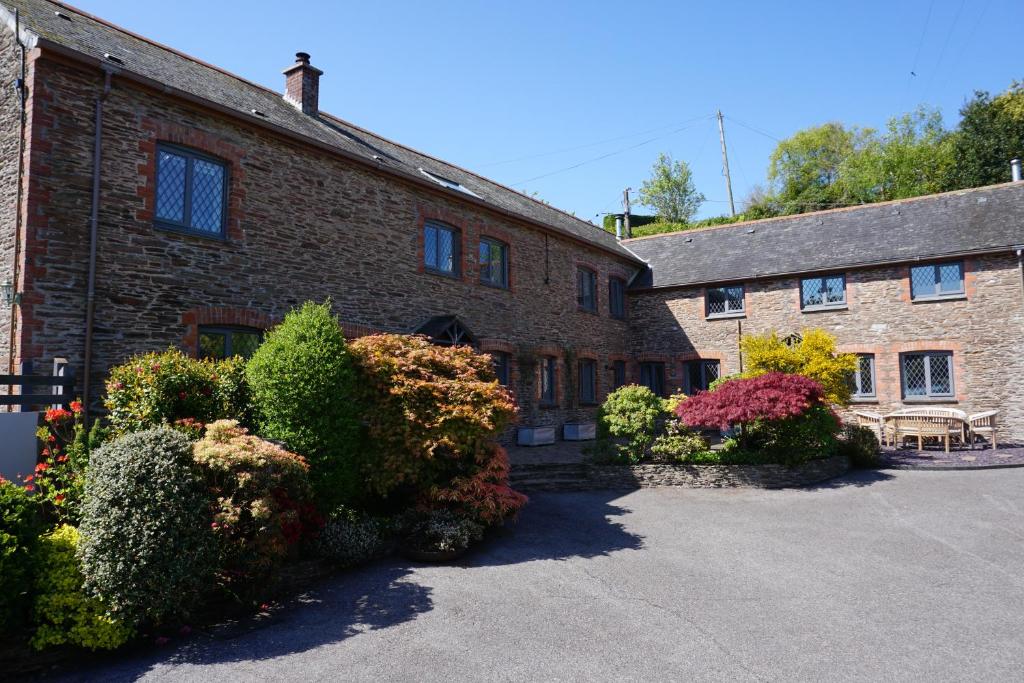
point(302, 85)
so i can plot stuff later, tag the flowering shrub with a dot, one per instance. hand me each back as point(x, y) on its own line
point(260, 496)
point(59, 477)
point(443, 531)
point(146, 544)
point(171, 388)
point(63, 613)
point(19, 529)
point(778, 413)
point(432, 413)
point(302, 383)
point(814, 357)
point(678, 443)
point(630, 413)
point(349, 538)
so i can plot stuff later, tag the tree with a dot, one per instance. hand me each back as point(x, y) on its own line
point(670, 191)
point(813, 355)
point(911, 158)
point(991, 132)
point(805, 169)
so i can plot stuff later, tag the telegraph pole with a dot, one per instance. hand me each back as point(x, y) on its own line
point(625, 212)
point(725, 164)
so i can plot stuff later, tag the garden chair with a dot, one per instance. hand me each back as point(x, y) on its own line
point(943, 428)
point(873, 421)
point(984, 425)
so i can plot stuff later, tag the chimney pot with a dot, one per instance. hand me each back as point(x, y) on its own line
point(1015, 170)
point(302, 85)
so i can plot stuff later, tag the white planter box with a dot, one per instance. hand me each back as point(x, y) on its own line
point(535, 436)
point(579, 431)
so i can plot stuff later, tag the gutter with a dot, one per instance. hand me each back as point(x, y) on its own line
point(90, 296)
point(832, 269)
point(420, 182)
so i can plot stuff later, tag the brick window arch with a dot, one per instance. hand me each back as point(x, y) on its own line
point(216, 318)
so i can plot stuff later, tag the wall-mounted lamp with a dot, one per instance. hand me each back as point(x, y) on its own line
point(9, 295)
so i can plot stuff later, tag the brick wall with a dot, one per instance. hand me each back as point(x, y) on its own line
point(985, 330)
point(9, 132)
point(302, 225)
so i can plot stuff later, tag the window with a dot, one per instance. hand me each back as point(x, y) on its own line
point(725, 301)
point(441, 249)
point(652, 376)
point(547, 380)
point(448, 182)
point(191, 191)
point(937, 281)
point(700, 374)
point(927, 375)
point(225, 342)
point(586, 289)
point(493, 263)
point(823, 292)
point(617, 297)
point(862, 384)
point(501, 367)
point(618, 374)
point(588, 380)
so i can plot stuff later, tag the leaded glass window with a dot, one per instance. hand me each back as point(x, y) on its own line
point(936, 281)
point(724, 301)
point(862, 383)
point(823, 292)
point(700, 374)
point(586, 289)
point(191, 191)
point(652, 376)
point(617, 298)
point(547, 380)
point(588, 380)
point(501, 366)
point(440, 249)
point(225, 342)
point(927, 375)
point(493, 263)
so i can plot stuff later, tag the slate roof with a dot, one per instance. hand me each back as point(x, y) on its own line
point(956, 223)
point(93, 38)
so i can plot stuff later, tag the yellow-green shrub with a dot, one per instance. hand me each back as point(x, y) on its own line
point(63, 613)
point(814, 356)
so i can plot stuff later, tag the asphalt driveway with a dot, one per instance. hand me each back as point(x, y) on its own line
point(895, 576)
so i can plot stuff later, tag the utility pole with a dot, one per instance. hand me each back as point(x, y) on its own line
point(725, 164)
point(625, 212)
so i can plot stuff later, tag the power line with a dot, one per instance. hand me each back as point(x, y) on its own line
point(616, 152)
point(585, 146)
point(945, 44)
point(920, 43)
point(753, 128)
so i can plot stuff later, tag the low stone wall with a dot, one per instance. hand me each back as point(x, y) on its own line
point(587, 477)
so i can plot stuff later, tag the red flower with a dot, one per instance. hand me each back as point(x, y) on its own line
point(28, 479)
point(57, 415)
point(46, 452)
point(30, 488)
point(182, 395)
point(62, 458)
point(76, 406)
point(42, 467)
point(119, 385)
point(51, 438)
point(155, 367)
point(59, 498)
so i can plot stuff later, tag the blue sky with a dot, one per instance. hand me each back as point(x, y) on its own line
point(521, 91)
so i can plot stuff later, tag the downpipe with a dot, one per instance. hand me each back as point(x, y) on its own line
point(20, 175)
point(94, 211)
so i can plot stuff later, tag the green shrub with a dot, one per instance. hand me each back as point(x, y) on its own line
point(432, 416)
point(814, 356)
point(261, 501)
point(349, 538)
point(63, 613)
point(60, 474)
point(20, 525)
point(146, 545)
point(629, 413)
point(302, 382)
point(861, 446)
point(172, 388)
point(797, 439)
point(678, 443)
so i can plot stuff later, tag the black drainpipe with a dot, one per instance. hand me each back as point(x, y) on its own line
point(90, 296)
point(20, 85)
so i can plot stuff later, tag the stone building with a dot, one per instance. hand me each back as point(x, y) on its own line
point(148, 200)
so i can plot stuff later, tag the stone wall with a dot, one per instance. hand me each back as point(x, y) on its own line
point(9, 132)
point(587, 477)
point(302, 225)
point(984, 330)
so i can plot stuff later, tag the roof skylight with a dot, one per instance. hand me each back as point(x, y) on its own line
point(450, 184)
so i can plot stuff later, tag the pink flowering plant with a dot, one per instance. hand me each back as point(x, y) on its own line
point(784, 416)
point(59, 476)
